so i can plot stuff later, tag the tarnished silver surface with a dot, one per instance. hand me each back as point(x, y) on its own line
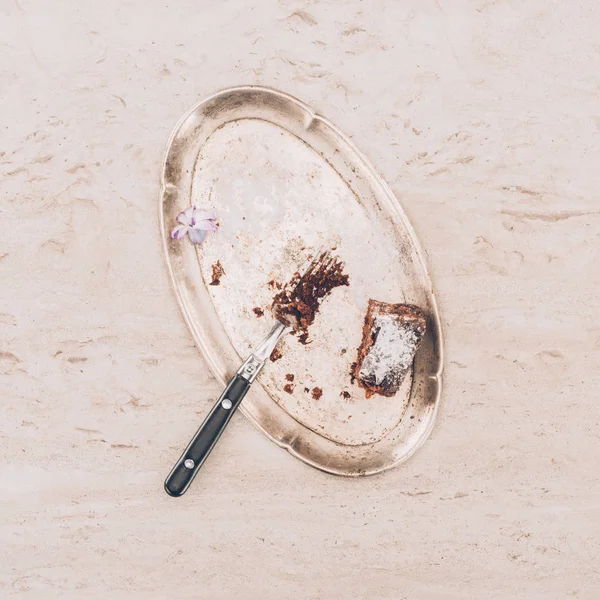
point(284, 180)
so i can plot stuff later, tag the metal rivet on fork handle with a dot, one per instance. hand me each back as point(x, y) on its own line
point(189, 463)
point(226, 404)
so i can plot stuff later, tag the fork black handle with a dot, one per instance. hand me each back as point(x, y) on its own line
point(206, 437)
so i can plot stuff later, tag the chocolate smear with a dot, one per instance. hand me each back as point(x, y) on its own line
point(299, 300)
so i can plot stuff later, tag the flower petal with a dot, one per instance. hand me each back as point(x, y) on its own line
point(185, 216)
point(201, 215)
point(205, 225)
point(179, 232)
point(197, 236)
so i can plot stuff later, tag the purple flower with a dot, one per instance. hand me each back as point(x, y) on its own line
point(195, 222)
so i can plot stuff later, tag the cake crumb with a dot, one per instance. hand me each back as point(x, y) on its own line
point(259, 312)
point(352, 375)
point(275, 355)
point(290, 377)
point(217, 272)
point(303, 338)
point(317, 392)
point(288, 387)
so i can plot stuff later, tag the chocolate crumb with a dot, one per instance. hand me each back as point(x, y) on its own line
point(343, 351)
point(259, 312)
point(306, 390)
point(217, 272)
point(288, 387)
point(352, 375)
point(274, 285)
point(317, 392)
point(290, 377)
point(275, 355)
point(303, 338)
point(345, 394)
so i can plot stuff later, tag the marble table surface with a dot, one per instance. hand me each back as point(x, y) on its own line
point(483, 116)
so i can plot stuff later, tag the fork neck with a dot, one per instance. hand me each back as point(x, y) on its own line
point(266, 347)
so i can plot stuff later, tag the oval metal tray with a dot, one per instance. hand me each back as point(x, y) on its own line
point(284, 181)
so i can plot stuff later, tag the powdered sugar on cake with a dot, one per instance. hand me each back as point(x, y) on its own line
point(391, 335)
point(392, 352)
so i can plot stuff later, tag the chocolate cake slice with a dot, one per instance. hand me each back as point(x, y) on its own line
point(391, 335)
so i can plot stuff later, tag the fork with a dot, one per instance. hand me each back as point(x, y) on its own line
point(197, 451)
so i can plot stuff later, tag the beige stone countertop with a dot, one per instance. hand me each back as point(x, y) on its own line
point(484, 118)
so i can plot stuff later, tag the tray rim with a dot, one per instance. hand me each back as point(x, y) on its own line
point(206, 352)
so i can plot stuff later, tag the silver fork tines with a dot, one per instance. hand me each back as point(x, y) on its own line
point(318, 258)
